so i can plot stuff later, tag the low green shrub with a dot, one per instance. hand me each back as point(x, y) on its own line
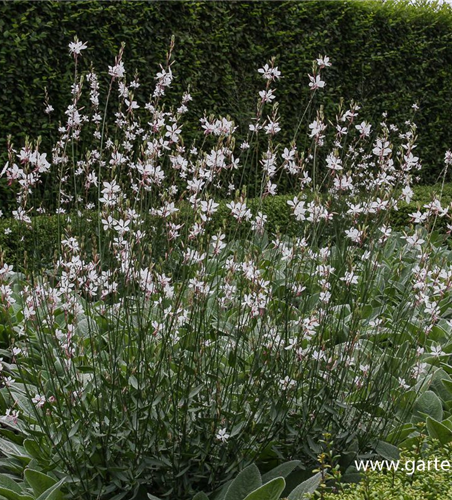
point(428, 482)
point(19, 245)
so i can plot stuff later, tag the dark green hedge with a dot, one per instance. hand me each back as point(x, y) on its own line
point(38, 246)
point(386, 55)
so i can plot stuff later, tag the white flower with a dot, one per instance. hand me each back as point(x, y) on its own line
point(291, 344)
point(267, 95)
point(299, 209)
point(239, 210)
point(436, 208)
point(76, 48)
point(222, 435)
point(436, 351)
point(403, 384)
point(108, 222)
point(316, 82)
point(269, 73)
point(354, 234)
point(258, 223)
point(317, 127)
point(272, 128)
point(364, 129)
point(333, 162)
point(16, 351)
point(418, 217)
point(255, 128)
point(173, 132)
point(122, 226)
point(218, 243)
point(350, 278)
point(39, 401)
point(11, 415)
point(414, 240)
point(323, 62)
point(21, 215)
point(407, 193)
point(448, 158)
point(381, 148)
point(209, 207)
point(287, 383)
point(117, 71)
point(318, 355)
point(271, 188)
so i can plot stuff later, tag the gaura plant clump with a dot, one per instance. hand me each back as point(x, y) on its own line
point(160, 356)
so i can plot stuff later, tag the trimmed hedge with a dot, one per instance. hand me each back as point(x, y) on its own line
point(40, 243)
point(386, 55)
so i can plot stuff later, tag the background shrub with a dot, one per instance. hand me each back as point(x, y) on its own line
point(386, 56)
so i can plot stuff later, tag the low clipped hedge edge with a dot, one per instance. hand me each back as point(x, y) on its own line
point(20, 243)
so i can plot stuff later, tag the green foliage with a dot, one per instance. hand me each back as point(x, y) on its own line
point(163, 396)
point(426, 483)
point(428, 404)
point(269, 491)
point(247, 481)
point(305, 488)
point(37, 485)
point(250, 485)
point(387, 55)
point(439, 430)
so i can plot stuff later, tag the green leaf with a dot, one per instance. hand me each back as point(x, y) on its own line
point(248, 480)
point(32, 447)
point(7, 482)
point(429, 404)
point(200, 496)
point(439, 383)
point(220, 493)
point(9, 494)
point(24, 403)
point(448, 423)
point(74, 429)
point(39, 481)
point(269, 491)
point(305, 488)
point(387, 451)
point(401, 433)
point(439, 431)
point(15, 450)
point(194, 392)
point(53, 493)
point(133, 381)
point(447, 384)
point(86, 326)
point(282, 470)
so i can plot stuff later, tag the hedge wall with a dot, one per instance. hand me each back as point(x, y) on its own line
point(386, 55)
